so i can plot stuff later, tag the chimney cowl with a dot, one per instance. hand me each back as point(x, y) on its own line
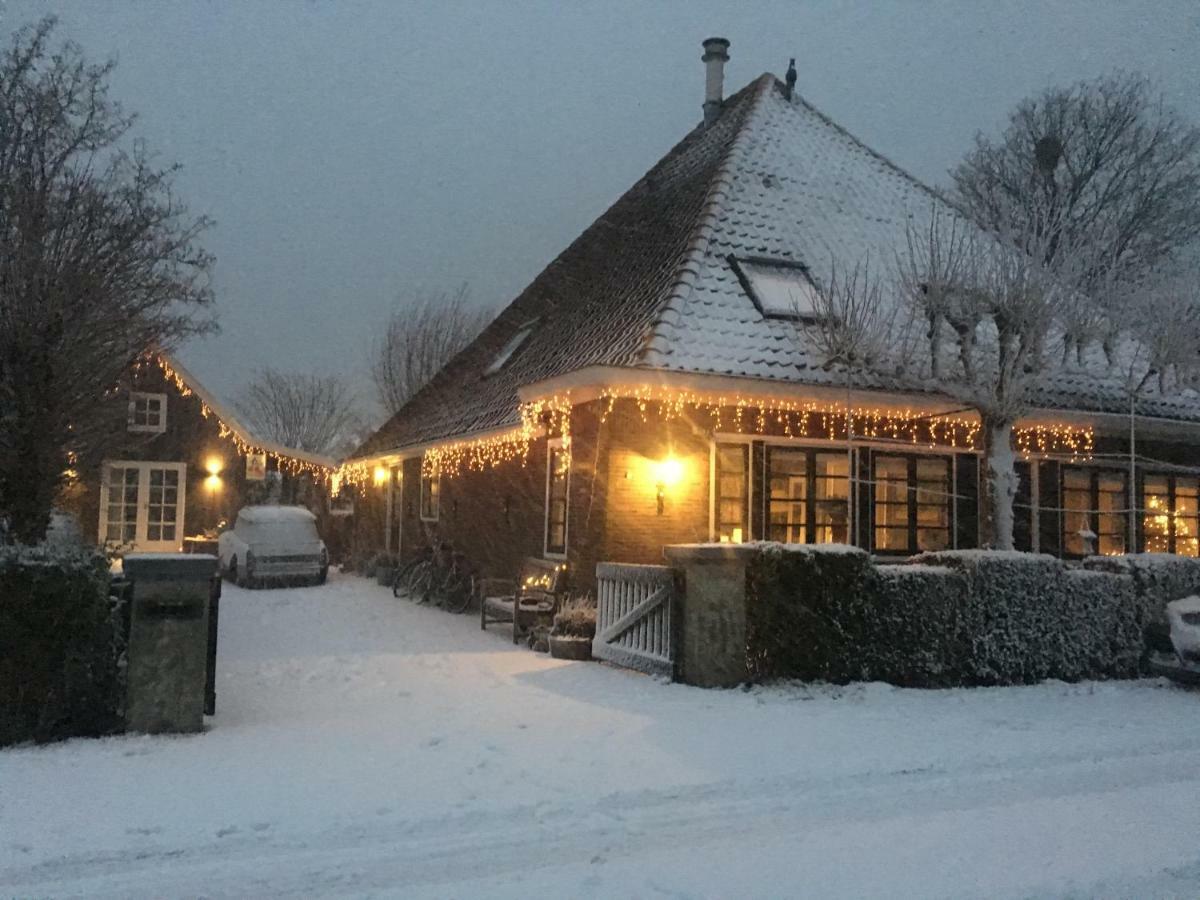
point(716, 54)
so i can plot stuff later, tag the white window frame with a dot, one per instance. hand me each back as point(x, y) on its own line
point(730, 439)
point(134, 397)
point(556, 444)
point(737, 437)
point(140, 543)
point(426, 482)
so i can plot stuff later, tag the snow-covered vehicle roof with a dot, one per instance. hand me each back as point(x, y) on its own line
point(263, 515)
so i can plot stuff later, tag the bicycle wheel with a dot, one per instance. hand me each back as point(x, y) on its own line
point(400, 579)
point(421, 583)
point(456, 591)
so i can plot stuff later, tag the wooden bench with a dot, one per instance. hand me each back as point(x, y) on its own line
point(534, 595)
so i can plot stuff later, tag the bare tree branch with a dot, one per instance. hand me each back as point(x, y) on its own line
point(99, 263)
point(306, 412)
point(419, 339)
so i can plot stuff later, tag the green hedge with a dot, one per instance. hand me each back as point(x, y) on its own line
point(952, 618)
point(61, 645)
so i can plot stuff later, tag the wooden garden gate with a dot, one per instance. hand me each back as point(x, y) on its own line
point(634, 617)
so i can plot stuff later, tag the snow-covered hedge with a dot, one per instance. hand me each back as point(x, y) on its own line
point(951, 618)
point(1159, 579)
point(61, 645)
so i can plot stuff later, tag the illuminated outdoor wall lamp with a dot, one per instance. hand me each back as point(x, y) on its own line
point(667, 473)
point(213, 465)
point(381, 475)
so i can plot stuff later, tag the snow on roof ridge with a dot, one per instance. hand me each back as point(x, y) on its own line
point(693, 259)
point(275, 513)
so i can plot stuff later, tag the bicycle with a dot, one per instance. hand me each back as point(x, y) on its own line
point(452, 582)
point(440, 575)
point(405, 575)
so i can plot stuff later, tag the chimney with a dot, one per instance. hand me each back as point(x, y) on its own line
point(716, 54)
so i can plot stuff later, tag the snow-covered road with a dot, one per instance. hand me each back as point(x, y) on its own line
point(367, 747)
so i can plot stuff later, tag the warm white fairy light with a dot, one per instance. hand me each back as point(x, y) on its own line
point(742, 413)
point(283, 463)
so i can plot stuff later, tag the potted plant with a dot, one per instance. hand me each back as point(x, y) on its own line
point(385, 568)
point(574, 628)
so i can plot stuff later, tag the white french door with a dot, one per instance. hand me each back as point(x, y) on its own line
point(142, 505)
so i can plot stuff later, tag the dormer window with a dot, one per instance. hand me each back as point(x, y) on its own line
point(147, 412)
point(506, 352)
point(781, 289)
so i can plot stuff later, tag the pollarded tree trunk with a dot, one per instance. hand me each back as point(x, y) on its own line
point(996, 499)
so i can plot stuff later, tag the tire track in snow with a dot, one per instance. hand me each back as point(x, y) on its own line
point(385, 853)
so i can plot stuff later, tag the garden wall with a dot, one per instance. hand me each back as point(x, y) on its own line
point(952, 618)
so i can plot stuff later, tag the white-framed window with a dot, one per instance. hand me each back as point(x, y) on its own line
point(431, 492)
point(558, 494)
point(781, 289)
point(142, 505)
point(511, 346)
point(731, 491)
point(147, 412)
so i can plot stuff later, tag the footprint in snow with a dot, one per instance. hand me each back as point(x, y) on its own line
point(434, 741)
point(145, 830)
point(260, 826)
point(226, 831)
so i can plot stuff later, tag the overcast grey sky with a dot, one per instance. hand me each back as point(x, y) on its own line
point(355, 153)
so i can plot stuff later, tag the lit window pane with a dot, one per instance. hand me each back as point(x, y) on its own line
point(832, 488)
point(1187, 517)
point(788, 480)
point(1156, 519)
point(733, 489)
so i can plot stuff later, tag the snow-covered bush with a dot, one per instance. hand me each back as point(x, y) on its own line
point(61, 645)
point(966, 617)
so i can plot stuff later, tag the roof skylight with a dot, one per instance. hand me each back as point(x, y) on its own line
point(509, 348)
point(780, 289)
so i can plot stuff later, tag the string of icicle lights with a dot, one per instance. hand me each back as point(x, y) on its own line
point(283, 463)
point(744, 414)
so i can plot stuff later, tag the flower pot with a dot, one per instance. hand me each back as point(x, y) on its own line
point(562, 647)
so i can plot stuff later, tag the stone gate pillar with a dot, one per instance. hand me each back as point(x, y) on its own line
point(168, 641)
point(712, 613)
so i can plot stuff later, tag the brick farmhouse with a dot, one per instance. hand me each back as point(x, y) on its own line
point(655, 385)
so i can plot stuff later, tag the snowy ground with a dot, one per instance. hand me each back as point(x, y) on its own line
point(364, 746)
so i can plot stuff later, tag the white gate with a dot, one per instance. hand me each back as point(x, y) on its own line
point(633, 617)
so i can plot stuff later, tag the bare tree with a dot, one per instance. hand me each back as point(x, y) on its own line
point(1107, 161)
point(315, 413)
point(419, 339)
point(98, 263)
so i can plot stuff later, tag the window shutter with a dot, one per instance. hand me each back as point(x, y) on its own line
point(1022, 503)
point(758, 491)
point(863, 526)
point(966, 500)
point(1049, 502)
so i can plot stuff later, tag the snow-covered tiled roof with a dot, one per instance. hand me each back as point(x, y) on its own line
point(800, 188)
point(650, 284)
